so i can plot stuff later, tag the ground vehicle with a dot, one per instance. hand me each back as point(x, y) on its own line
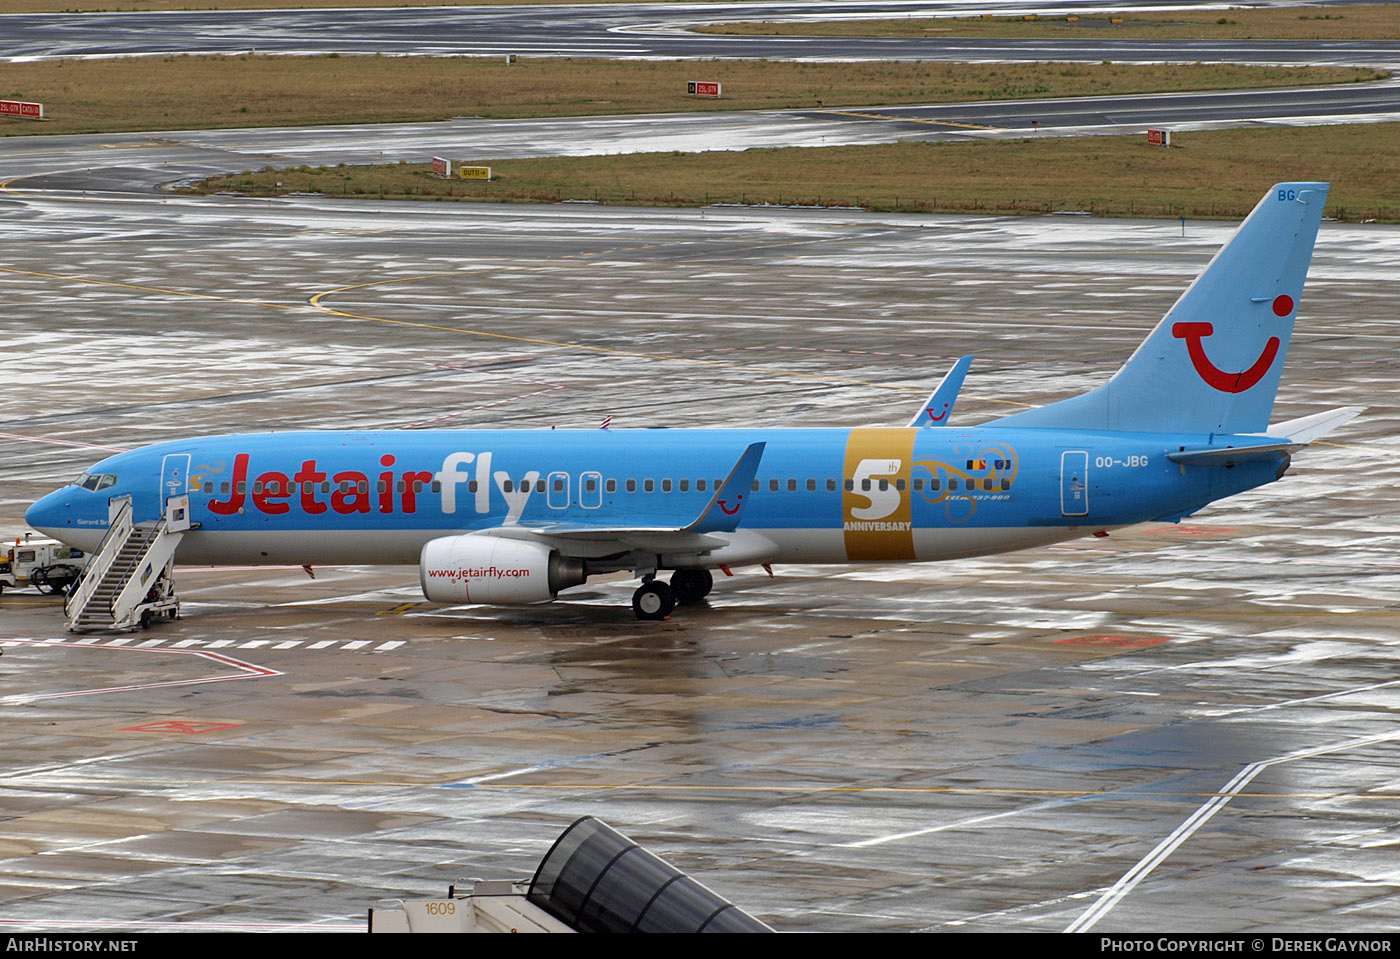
point(46, 564)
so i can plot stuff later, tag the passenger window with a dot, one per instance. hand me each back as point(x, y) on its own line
point(363, 486)
point(1006, 484)
point(952, 483)
point(648, 485)
point(612, 486)
point(665, 486)
point(811, 486)
point(830, 485)
point(700, 485)
point(559, 486)
point(899, 485)
point(417, 486)
point(918, 484)
point(685, 486)
point(631, 486)
point(884, 484)
point(257, 487)
point(473, 486)
point(591, 485)
point(437, 486)
point(865, 485)
point(508, 486)
point(208, 488)
point(850, 485)
point(935, 484)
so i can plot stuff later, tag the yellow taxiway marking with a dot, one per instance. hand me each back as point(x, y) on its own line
point(885, 116)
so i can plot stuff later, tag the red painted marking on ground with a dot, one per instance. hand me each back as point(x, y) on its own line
point(1120, 641)
point(1191, 530)
point(248, 670)
point(45, 439)
point(179, 726)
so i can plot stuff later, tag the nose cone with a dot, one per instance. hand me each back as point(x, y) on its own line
point(47, 515)
point(72, 515)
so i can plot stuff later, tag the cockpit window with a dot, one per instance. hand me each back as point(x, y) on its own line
point(96, 481)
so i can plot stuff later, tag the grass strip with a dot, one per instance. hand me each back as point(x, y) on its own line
point(1216, 174)
point(1352, 22)
point(186, 92)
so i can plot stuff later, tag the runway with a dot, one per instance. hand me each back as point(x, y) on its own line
point(648, 31)
point(1098, 736)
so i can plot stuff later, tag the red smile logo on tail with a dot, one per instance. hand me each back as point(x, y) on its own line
point(1215, 377)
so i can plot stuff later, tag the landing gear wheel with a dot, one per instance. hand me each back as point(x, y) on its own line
point(691, 585)
point(653, 600)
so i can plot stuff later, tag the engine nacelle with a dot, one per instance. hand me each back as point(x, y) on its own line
point(474, 568)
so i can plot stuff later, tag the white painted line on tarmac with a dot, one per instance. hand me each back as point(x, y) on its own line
point(1199, 818)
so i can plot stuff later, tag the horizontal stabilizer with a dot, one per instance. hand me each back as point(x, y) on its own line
point(1228, 455)
point(1286, 437)
point(938, 409)
point(1305, 429)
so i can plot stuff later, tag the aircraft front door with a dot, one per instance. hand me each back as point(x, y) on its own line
point(174, 498)
point(174, 477)
point(1074, 483)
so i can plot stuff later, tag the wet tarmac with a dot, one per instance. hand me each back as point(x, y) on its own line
point(1192, 720)
point(643, 31)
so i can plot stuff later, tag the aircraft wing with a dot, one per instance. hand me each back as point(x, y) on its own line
point(716, 526)
point(938, 408)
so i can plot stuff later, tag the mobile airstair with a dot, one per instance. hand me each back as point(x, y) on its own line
point(128, 583)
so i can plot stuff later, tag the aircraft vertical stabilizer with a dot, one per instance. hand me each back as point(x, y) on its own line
point(1212, 365)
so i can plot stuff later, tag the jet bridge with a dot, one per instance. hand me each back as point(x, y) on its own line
point(593, 879)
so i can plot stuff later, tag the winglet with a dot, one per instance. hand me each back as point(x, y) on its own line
point(938, 410)
point(721, 514)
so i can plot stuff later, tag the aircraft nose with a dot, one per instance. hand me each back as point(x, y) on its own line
point(52, 514)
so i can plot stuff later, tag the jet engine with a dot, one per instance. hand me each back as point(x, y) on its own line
point(476, 568)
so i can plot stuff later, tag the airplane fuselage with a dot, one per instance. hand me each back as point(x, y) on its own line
point(819, 496)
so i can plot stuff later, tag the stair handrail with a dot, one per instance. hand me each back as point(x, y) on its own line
point(120, 528)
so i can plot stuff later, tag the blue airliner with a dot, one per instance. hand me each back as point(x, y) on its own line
point(515, 516)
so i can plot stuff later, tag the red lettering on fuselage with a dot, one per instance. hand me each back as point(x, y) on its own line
point(410, 495)
point(352, 500)
point(269, 488)
point(350, 494)
point(307, 478)
point(236, 487)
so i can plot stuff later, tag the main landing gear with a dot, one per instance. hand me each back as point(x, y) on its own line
point(655, 599)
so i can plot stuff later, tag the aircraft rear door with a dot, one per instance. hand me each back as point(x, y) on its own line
point(1074, 483)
